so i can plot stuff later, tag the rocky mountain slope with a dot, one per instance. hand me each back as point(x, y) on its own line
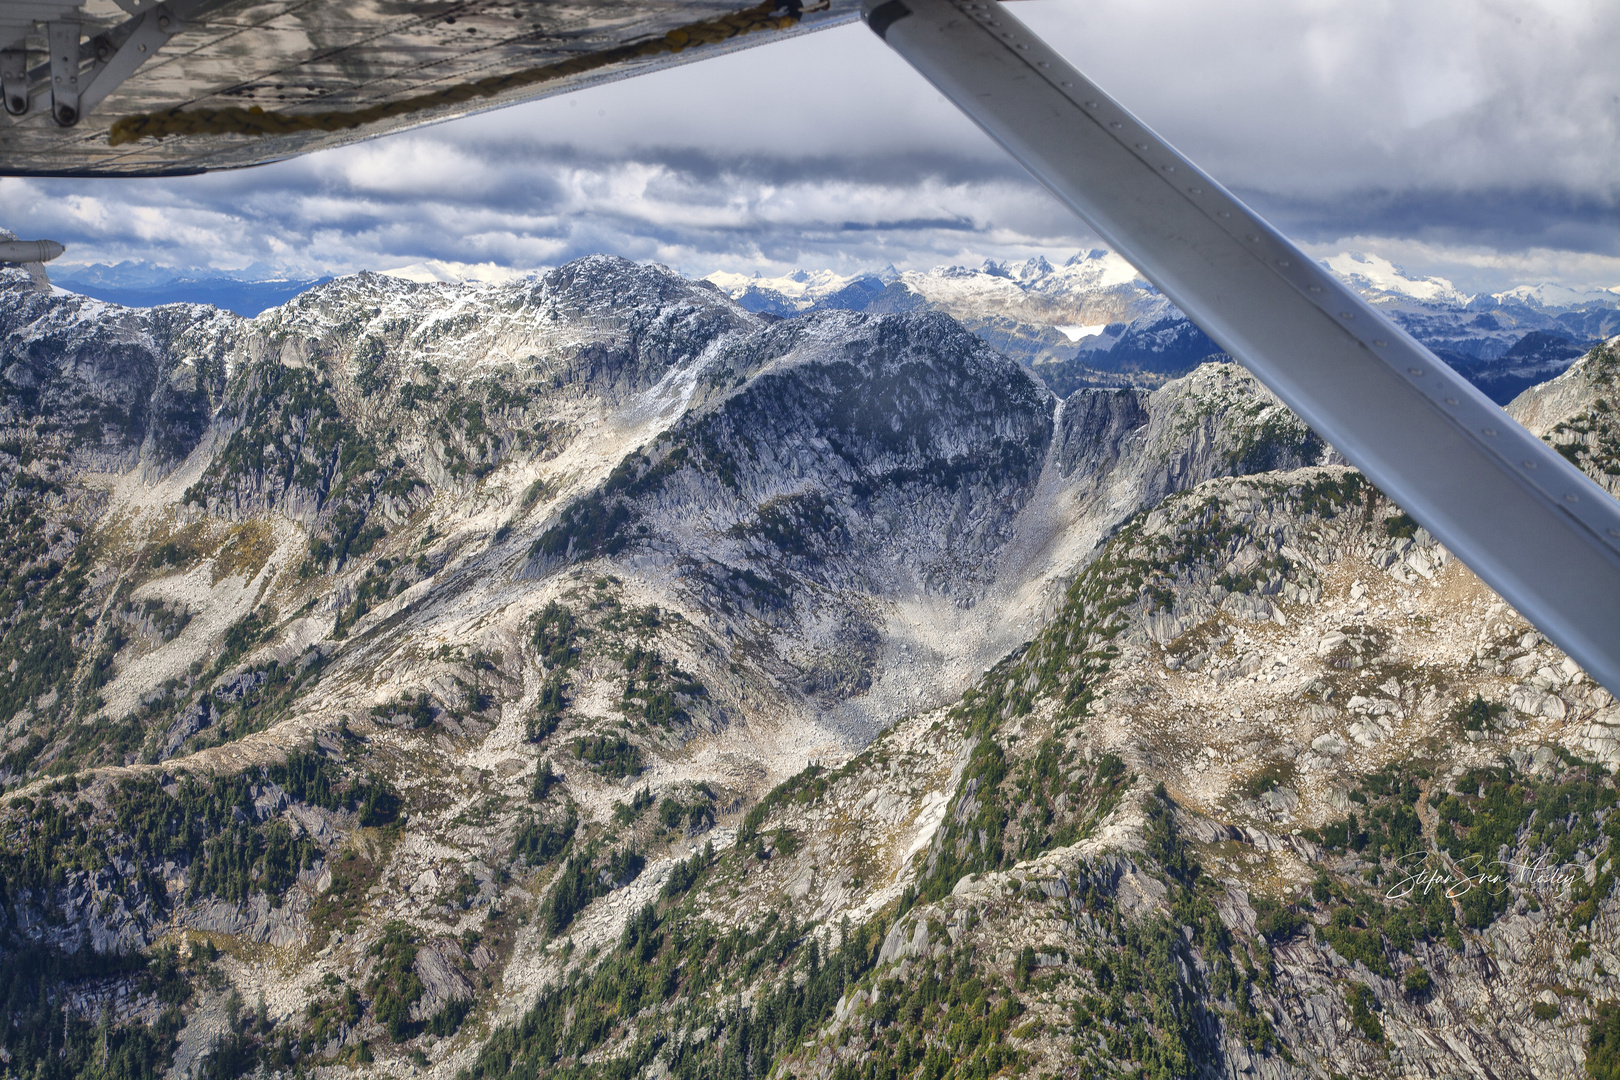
point(590, 676)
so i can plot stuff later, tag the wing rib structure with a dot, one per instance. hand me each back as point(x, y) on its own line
point(1529, 523)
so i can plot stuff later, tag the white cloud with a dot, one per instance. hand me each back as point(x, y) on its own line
point(1337, 95)
point(1469, 139)
point(431, 270)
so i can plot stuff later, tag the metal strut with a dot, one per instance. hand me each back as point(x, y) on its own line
point(14, 80)
point(1531, 525)
point(113, 55)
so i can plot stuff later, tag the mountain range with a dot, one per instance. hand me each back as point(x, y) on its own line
point(1092, 321)
point(587, 675)
point(139, 284)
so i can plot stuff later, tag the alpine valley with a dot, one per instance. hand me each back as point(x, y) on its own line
point(609, 674)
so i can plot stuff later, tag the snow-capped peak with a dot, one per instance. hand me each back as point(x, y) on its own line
point(1374, 273)
point(801, 287)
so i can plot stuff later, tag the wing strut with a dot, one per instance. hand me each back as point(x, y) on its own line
point(1529, 523)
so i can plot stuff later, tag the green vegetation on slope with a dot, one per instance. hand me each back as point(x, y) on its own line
point(294, 442)
point(670, 988)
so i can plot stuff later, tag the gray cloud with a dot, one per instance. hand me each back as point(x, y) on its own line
point(1505, 219)
point(1477, 140)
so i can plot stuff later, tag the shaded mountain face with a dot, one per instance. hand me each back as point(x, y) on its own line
point(590, 675)
point(848, 443)
point(1538, 356)
point(90, 385)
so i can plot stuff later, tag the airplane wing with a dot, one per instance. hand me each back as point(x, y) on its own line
point(142, 88)
point(1530, 524)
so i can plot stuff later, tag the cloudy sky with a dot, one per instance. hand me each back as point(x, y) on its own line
point(1479, 141)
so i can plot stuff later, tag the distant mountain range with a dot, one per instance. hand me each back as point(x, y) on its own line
point(139, 284)
point(1093, 321)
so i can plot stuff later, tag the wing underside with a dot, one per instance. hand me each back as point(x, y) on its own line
point(195, 85)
